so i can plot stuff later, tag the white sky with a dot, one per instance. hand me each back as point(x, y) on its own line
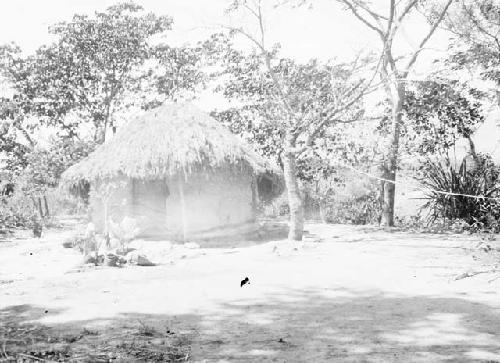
point(325, 31)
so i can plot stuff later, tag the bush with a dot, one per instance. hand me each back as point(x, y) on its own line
point(364, 209)
point(343, 197)
point(481, 180)
point(16, 211)
point(340, 198)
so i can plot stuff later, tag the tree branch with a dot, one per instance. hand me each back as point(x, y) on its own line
point(354, 10)
point(426, 39)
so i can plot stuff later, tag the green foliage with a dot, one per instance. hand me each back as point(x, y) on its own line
point(313, 101)
point(88, 71)
point(45, 166)
point(479, 180)
point(343, 197)
point(476, 25)
point(339, 198)
point(16, 211)
point(35, 176)
point(356, 210)
point(178, 70)
point(439, 113)
point(92, 64)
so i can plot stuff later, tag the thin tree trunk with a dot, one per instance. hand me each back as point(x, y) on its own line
point(390, 166)
point(39, 206)
point(381, 196)
point(255, 195)
point(47, 211)
point(183, 209)
point(294, 198)
point(106, 224)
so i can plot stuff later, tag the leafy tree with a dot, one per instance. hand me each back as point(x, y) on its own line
point(476, 26)
point(94, 62)
point(394, 72)
point(296, 102)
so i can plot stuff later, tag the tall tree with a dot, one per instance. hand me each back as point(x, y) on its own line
point(296, 102)
point(94, 61)
point(394, 72)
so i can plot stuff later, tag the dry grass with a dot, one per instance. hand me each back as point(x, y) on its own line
point(174, 139)
point(139, 342)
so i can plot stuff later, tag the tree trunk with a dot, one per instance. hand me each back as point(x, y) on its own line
point(106, 224)
point(390, 165)
point(39, 205)
point(255, 195)
point(183, 208)
point(294, 198)
point(46, 204)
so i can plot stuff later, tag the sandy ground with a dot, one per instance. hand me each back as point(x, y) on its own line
point(347, 294)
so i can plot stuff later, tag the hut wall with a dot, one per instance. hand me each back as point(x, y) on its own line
point(216, 202)
point(148, 206)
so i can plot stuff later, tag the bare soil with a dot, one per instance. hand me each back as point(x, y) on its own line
point(346, 294)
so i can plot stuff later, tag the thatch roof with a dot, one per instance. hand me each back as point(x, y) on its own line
point(173, 139)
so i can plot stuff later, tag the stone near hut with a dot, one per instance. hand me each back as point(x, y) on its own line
point(143, 261)
point(91, 258)
point(68, 243)
point(136, 258)
point(113, 260)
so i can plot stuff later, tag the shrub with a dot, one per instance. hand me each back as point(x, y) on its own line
point(16, 211)
point(364, 209)
point(481, 180)
point(343, 197)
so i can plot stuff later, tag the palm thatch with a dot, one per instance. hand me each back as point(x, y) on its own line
point(173, 139)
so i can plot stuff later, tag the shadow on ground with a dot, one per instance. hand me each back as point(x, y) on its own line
point(312, 326)
point(268, 231)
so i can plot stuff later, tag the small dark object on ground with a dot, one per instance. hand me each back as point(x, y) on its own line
point(67, 244)
point(244, 281)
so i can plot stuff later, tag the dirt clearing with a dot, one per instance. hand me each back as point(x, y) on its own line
point(347, 294)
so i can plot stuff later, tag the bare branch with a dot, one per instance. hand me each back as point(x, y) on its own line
point(406, 10)
point(354, 10)
point(375, 15)
point(267, 60)
point(427, 37)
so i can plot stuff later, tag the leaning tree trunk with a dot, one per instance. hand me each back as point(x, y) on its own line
point(294, 198)
point(390, 165)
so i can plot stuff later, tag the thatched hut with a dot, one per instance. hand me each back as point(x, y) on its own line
point(175, 170)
